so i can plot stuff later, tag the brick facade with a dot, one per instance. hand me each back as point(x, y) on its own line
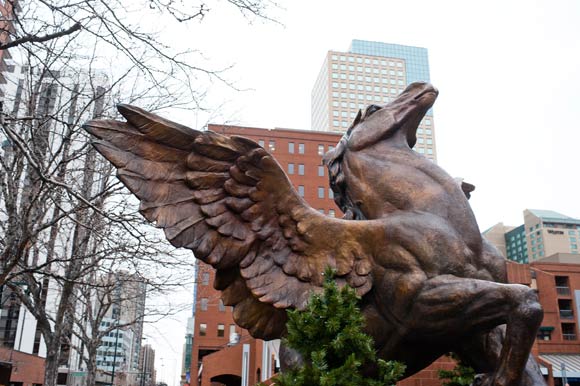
point(303, 150)
point(26, 368)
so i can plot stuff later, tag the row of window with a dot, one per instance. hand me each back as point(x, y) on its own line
point(359, 87)
point(422, 150)
point(320, 192)
point(353, 96)
point(368, 70)
point(220, 329)
point(110, 344)
point(105, 353)
point(109, 364)
point(113, 334)
point(292, 147)
point(376, 80)
point(205, 302)
point(562, 226)
point(570, 227)
point(376, 62)
point(301, 169)
point(568, 332)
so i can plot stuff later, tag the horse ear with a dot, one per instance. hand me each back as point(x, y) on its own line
point(467, 189)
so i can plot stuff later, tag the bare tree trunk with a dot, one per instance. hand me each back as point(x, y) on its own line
point(51, 364)
point(91, 364)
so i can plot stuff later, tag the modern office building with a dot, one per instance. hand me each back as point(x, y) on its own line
point(120, 349)
point(222, 351)
point(369, 73)
point(18, 327)
point(543, 233)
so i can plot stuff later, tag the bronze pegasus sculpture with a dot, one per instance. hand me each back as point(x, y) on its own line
point(409, 243)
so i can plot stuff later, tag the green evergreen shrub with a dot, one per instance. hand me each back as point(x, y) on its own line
point(329, 336)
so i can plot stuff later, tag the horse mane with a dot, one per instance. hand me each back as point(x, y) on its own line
point(333, 161)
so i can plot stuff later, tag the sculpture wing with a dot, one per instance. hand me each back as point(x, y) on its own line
point(230, 202)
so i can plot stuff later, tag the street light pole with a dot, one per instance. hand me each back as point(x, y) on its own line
point(116, 344)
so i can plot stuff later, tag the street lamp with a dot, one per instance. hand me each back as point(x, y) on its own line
point(116, 345)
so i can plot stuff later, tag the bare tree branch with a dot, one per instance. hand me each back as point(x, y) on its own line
point(39, 39)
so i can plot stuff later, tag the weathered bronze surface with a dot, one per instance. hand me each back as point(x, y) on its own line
point(429, 283)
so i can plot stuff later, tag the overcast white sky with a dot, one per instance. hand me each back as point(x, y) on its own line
point(508, 73)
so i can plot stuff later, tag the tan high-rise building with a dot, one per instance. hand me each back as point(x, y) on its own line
point(369, 73)
point(544, 233)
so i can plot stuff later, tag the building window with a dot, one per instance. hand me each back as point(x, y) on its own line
point(331, 213)
point(569, 331)
point(300, 169)
point(320, 149)
point(545, 333)
point(330, 194)
point(203, 305)
point(301, 190)
point(202, 329)
point(320, 192)
point(221, 306)
point(300, 148)
point(261, 142)
point(290, 168)
point(221, 330)
point(272, 145)
point(320, 171)
point(205, 278)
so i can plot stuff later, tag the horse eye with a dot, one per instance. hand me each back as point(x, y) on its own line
point(371, 110)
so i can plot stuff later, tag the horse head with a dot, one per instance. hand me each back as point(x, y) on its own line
point(374, 171)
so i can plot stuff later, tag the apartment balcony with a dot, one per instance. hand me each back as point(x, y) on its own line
point(569, 336)
point(564, 291)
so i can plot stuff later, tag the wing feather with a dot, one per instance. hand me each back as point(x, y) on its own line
point(229, 201)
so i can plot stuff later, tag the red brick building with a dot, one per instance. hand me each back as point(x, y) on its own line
point(25, 369)
point(213, 362)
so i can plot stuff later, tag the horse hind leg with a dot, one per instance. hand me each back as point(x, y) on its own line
point(483, 352)
point(456, 308)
